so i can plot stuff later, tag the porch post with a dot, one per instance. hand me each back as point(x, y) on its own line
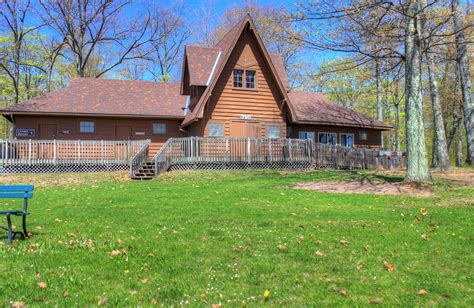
point(54, 151)
point(248, 150)
point(29, 152)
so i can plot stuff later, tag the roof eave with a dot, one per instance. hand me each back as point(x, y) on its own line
point(98, 115)
point(381, 127)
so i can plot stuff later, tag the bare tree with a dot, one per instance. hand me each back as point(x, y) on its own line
point(90, 26)
point(14, 14)
point(174, 33)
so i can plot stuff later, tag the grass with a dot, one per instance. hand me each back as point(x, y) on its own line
point(203, 238)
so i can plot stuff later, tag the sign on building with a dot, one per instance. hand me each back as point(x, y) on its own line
point(25, 132)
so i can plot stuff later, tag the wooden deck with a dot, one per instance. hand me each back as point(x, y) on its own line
point(142, 160)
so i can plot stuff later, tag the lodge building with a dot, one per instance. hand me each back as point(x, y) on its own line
point(234, 89)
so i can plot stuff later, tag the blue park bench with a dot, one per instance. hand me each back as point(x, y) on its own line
point(24, 192)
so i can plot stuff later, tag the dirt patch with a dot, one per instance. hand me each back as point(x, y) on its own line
point(367, 186)
point(464, 177)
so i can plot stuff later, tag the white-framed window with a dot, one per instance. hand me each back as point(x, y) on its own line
point(327, 138)
point(238, 75)
point(87, 127)
point(216, 130)
point(347, 140)
point(250, 79)
point(273, 131)
point(159, 128)
point(306, 135)
point(362, 135)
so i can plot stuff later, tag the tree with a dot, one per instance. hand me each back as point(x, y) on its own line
point(465, 78)
point(174, 33)
point(97, 30)
point(417, 169)
point(14, 13)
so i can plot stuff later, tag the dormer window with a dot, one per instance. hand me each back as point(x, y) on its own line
point(238, 78)
point(250, 82)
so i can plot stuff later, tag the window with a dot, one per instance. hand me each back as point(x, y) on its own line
point(362, 135)
point(347, 140)
point(306, 135)
point(238, 78)
point(216, 130)
point(87, 127)
point(273, 131)
point(159, 128)
point(250, 79)
point(328, 138)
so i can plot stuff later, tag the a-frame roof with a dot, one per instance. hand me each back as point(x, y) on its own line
point(226, 46)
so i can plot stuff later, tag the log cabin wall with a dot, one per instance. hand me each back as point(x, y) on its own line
point(68, 128)
point(227, 104)
point(373, 141)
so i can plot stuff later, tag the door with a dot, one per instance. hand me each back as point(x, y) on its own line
point(240, 129)
point(123, 132)
point(242, 149)
point(47, 131)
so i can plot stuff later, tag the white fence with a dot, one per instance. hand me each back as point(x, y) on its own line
point(67, 152)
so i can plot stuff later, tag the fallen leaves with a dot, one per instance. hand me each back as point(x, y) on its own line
point(375, 300)
point(425, 237)
point(343, 292)
point(102, 300)
point(344, 242)
point(18, 305)
point(388, 266)
point(115, 253)
point(144, 281)
point(42, 285)
point(281, 247)
point(422, 292)
point(65, 294)
point(320, 254)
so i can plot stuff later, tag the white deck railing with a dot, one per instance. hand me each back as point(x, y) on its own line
point(67, 152)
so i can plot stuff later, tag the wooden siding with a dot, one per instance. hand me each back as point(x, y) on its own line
point(227, 103)
point(373, 141)
point(105, 128)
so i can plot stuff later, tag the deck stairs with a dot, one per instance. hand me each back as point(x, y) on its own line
point(146, 171)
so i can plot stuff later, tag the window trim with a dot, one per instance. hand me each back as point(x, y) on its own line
point(360, 135)
point(222, 129)
point(347, 134)
point(306, 132)
point(94, 126)
point(273, 125)
point(153, 128)
point(244, 79)
point(329, 133)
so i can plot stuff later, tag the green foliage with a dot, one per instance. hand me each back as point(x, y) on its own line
point(225, 237)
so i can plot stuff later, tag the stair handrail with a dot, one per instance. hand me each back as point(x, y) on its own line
point(163, 157)
point(140, 157)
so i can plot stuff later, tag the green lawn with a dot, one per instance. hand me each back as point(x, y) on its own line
point(202, 238)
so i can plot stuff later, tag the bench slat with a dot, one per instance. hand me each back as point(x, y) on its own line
point(16, 188)
point(16, 195)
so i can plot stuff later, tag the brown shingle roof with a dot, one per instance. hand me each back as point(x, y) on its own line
point(109, 97)
point(201, 60)
point(315, 108)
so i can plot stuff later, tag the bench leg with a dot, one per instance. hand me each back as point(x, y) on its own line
point(10, 231)
point(25, 232)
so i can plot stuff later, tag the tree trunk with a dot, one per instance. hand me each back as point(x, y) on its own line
point(417, 170)
point(397, 126)
point(459, 154)
point(379, 91)
point(440, 150)
point(466, 89)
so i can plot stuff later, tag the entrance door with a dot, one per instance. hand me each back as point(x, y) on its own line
point(241, 149)
point(123, 132)
point(242, 129)
point(47, 131)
